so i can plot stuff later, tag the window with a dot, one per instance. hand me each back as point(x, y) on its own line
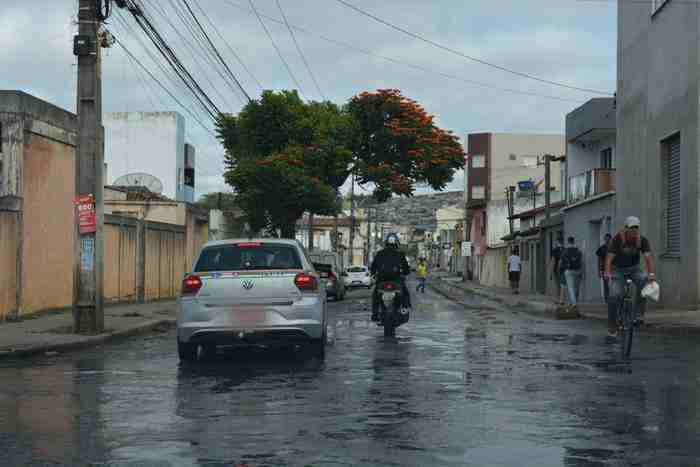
point(189, 177)
point(529, 161)
point(248, 257)
point(478, 192)
point(671, 152)
point(657, 4)
point(606, 159)
point(513, 157)
point(478, 161)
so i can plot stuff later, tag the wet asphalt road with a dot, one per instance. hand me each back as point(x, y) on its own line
point(460, 385)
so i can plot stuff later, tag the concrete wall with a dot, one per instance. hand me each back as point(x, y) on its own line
point(120, 260)
point(657, 97)
point(48, 225)
point(506, 172)
point(8, 263)
point(493, 268)
point(582, 159)
point(588, 223)
point(150, 142)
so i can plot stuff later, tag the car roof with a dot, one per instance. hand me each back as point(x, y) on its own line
point(233, 241)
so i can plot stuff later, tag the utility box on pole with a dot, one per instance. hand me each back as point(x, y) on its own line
point(88, 316)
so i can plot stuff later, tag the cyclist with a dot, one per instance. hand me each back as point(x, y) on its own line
point(390, 264)
point(622, 263)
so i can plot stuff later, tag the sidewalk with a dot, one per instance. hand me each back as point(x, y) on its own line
point(51, 332)
point(662, 321)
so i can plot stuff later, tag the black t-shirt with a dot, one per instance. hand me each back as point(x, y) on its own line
point(628, 254)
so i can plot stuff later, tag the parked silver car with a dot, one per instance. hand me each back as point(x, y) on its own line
point(251, 292)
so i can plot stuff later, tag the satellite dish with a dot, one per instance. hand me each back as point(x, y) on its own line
point(148, 181)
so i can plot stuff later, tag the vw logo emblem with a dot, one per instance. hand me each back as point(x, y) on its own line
point(248, 285)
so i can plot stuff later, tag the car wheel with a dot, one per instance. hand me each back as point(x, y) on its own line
point(208, 352)
point(318, 346)
point(187, 352)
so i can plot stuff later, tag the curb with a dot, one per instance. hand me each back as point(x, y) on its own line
point(89, 341)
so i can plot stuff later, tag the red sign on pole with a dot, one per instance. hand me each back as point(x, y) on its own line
point(87, 219)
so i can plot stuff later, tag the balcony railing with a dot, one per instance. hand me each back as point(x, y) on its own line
point(591, 183)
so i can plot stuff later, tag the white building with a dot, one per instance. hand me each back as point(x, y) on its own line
point(151, 143)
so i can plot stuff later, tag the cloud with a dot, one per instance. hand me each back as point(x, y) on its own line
point(573, 42)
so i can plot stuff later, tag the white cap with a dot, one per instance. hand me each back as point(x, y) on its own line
point(632, 222)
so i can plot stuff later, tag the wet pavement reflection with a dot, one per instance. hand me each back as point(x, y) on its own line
point(462, 384)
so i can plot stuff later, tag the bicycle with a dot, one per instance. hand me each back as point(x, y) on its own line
point(627, 318)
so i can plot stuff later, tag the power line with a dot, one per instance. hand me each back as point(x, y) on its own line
point(465, 56)
point(175, 82)
point(404, 63)
point(216, 51)
point(143, 67)
point(228, 45)
point(303, 57)
point(192, 51)
point(274, 44)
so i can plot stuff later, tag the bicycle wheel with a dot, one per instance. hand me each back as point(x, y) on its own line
point(628, 323)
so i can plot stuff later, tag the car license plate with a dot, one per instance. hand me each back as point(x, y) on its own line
point(251, 317)
point(386, 296)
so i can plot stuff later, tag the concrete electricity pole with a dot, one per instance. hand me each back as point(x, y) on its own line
point(352, 220)
point(548, 159)
point(88, 315)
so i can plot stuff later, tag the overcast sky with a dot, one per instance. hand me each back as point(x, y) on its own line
point(568, 41)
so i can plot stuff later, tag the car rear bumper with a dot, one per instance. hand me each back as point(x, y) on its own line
point(233, 325)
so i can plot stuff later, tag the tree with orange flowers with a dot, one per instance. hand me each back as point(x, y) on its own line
point(398, 145)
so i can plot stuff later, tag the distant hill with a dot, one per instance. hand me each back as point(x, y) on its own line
point(418, 210)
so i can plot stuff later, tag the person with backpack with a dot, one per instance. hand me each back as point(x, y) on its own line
point(572, 265)
point(390, 264)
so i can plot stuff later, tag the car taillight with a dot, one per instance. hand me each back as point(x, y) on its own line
point(191, 285)
point(332, 276)
point(388, 286)
point(306, 282)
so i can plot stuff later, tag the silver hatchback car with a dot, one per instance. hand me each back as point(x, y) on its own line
point(251, 292)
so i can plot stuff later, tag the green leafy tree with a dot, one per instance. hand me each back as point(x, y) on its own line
point(398, 145)
point(285, 157)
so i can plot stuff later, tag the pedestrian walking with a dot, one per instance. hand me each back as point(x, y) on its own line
point(514, 264)
point(572, 264)
point(422, 274)
point(557, 272)
point(601, 253)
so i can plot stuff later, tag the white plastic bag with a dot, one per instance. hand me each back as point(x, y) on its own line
point(652, 290)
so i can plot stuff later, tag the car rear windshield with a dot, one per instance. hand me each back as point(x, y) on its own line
point(323, 267)
point(248, 256)
point(356, 269)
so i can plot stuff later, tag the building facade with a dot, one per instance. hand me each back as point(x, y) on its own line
point(658, 86)
point(152, 143)
point(590, 167)
point(498, 161)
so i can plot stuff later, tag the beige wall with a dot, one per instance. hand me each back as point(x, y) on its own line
point(48, 192)
point(8, 263)
point(165, 263)
point(506, 172)
point(493, 272)
point(120, 263)
point(154, 211)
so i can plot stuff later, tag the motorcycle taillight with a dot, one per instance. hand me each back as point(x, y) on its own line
point(388, 286)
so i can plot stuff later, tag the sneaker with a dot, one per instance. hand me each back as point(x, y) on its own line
point(375, 317)
point(612, 334)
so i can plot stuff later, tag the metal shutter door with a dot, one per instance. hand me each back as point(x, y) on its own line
point(673, 196)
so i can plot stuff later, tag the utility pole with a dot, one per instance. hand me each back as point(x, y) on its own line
point(369, 234)
point(509, 197)
point(547, 162)
point(352, 220)
point(311, 231)
point(88, 314)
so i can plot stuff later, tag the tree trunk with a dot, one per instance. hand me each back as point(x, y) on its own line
point(289, 230)
point(311, 231)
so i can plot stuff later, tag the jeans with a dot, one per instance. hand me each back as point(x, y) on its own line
point(617, 290)
point(573, 284)
point(421, 284)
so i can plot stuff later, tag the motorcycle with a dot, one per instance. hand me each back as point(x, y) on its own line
point(390, 302)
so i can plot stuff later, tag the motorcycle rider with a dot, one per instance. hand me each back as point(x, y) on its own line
point(390, 264)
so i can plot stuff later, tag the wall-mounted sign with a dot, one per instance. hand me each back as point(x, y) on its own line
point(466, 248)
point(87, 218)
